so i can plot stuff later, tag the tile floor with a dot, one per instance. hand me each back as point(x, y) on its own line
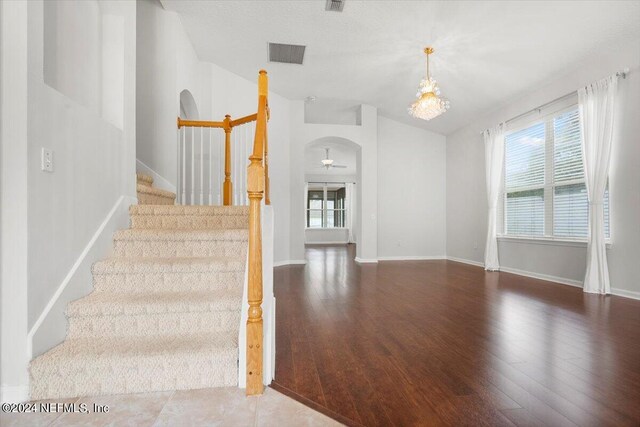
point(206, 407)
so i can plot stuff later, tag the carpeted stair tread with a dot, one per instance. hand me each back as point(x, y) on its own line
point(177, 217)
point(192, 210)
point(127, 265)
point(144, 179)
point(126, 304)
point(145, 189)
point(182, 235)
point(110, 365)
point(87, 351)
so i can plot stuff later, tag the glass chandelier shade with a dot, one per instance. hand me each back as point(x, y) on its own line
point(428, 104)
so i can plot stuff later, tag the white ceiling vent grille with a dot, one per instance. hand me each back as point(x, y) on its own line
point(335, 5)
point(286, 53)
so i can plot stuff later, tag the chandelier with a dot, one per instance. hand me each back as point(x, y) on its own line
point(429, 104)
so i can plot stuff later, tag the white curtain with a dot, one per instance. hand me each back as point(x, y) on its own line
point(494, 159)
point(596, 109)
point(306, 203)
point(349, 205)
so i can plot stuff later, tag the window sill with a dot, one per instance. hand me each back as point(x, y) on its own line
point(580, 243)
point(325, 228)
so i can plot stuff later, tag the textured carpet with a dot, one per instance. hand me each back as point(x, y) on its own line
point(149, 195)
point(165, 310)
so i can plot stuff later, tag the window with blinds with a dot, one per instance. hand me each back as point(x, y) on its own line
point(544, 191)
point(326, 206)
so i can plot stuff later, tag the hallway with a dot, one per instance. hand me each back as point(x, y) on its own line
point(445, 343)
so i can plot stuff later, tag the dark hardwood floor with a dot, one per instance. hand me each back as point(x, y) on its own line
point(444, 343)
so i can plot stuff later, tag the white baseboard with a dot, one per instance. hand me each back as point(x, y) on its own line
point(625, 293)
point(524, 273)
point(14, 394)
point(366, 261)
point(289, 262)
point(547, 277)
point(158, 180)
point(465, 261)
point(412, 258)
point(80, 277)
point(561, 280)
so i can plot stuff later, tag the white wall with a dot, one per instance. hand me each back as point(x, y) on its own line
point(308, 177)
point(60, 212)
point(157, 93)
point(411, 191)
point(168, 64)
point(326, 235)
point(72, 59)
point(332, 111)
point(13, 202)
point(87, 63)
point(466, 194)
point(364, 137)
point(94, 160)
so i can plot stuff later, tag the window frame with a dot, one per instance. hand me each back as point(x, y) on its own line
point(325, 208)
point(549, 186)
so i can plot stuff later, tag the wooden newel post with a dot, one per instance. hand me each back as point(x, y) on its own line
point(227, 187)
point(255, 190)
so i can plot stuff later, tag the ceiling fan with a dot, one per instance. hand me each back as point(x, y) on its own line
point(328, 163)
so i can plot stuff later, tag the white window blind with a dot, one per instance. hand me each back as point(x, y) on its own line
point(524, 181)
point(545, 193)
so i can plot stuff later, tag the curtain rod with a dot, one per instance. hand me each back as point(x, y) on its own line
point(622, 74)
point(546, 104)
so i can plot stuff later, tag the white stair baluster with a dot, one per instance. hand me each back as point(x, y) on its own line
point(234, 150)
point(202, 166)
point(178, 165)
point(184, 166)
point(210, 165)
point(193, 167)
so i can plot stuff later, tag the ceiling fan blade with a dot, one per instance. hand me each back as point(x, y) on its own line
point(338, 166)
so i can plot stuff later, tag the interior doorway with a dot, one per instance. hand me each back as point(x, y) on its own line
point(331, 197)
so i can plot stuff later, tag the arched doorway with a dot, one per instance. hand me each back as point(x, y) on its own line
point(331, 196)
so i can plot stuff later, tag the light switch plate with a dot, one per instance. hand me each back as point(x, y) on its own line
point(46, 163)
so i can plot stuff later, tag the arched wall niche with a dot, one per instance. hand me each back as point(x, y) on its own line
point(188, 106)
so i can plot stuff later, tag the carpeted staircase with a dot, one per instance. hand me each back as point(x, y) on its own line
point(165, 310)
point(150, 195)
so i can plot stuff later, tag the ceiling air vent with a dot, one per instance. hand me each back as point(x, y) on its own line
point(335, 5)
point(286, 53)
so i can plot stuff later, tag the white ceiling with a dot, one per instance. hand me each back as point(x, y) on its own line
point(339, 151)
point(487, 52)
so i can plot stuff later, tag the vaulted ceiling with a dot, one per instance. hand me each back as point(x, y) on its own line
point(487, 53)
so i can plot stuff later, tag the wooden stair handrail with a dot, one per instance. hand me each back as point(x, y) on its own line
point(243, 120)
point(199, 124)
point(227, 124)
point(211, 124)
